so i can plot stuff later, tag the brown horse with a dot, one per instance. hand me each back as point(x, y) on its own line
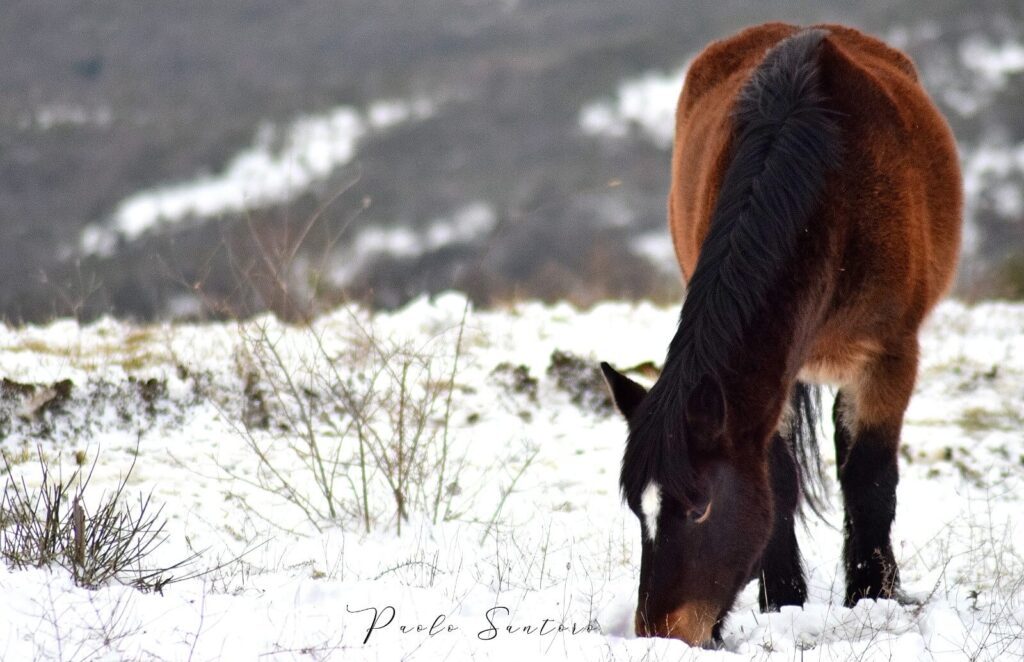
point(815, 209)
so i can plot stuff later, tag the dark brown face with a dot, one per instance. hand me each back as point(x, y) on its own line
point(695, 560)
point(702, 547)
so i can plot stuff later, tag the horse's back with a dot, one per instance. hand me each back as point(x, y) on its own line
point(892, 209)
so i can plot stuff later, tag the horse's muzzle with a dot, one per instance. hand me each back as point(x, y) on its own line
point(693, 623)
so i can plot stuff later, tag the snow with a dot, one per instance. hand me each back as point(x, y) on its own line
point(468, 224)
point(560, 550)
point(55, 115)
point(281, 164)
point(657, 249)
point(995, 170)
point(995, 63)
point(646, 103)
point(969, 80)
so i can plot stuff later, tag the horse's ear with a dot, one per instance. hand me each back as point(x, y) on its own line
point(705, 409)
point(626, 394)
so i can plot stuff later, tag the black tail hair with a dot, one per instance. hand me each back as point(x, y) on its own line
point(804, 427)
point(785, 141)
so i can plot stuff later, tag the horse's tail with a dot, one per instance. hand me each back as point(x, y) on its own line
point(784, 143)
point(804, 423)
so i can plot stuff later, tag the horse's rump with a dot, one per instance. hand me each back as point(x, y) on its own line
point(890, 211)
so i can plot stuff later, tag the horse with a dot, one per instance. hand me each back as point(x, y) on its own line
point(815, 209)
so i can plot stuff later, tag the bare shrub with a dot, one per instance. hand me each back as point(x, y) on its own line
point(50, 524)
point(366, 421)
point(350, 429)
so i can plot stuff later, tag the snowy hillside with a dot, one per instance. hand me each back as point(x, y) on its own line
point(494, 430)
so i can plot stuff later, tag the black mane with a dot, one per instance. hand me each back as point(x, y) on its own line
point(784, 143)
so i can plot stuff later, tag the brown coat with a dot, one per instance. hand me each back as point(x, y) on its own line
point(893, 212)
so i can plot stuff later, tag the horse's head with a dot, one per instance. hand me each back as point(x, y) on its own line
point(705, 513)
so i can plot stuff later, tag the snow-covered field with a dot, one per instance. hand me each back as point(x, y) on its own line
point(536, 556)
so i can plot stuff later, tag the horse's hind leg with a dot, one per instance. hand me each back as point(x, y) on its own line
point(782, 577)
point(868, 417)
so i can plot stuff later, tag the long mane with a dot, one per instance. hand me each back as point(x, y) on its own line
point(784, 142)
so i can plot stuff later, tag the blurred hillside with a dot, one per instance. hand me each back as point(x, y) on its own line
point(194, 159)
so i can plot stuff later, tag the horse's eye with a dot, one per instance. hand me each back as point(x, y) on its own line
point(699, 514)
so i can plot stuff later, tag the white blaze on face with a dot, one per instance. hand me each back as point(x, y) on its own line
point(650, 506)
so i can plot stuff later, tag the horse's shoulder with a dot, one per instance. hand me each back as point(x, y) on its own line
point(721, 59)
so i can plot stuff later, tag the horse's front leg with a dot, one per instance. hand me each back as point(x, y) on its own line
point(781, 580)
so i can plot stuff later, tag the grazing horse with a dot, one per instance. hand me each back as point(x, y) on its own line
point(815, 209)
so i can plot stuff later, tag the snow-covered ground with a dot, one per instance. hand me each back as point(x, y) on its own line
point(537, 543)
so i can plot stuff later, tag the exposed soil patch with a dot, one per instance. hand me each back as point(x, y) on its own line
point(582, 380)
point(516, 379)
